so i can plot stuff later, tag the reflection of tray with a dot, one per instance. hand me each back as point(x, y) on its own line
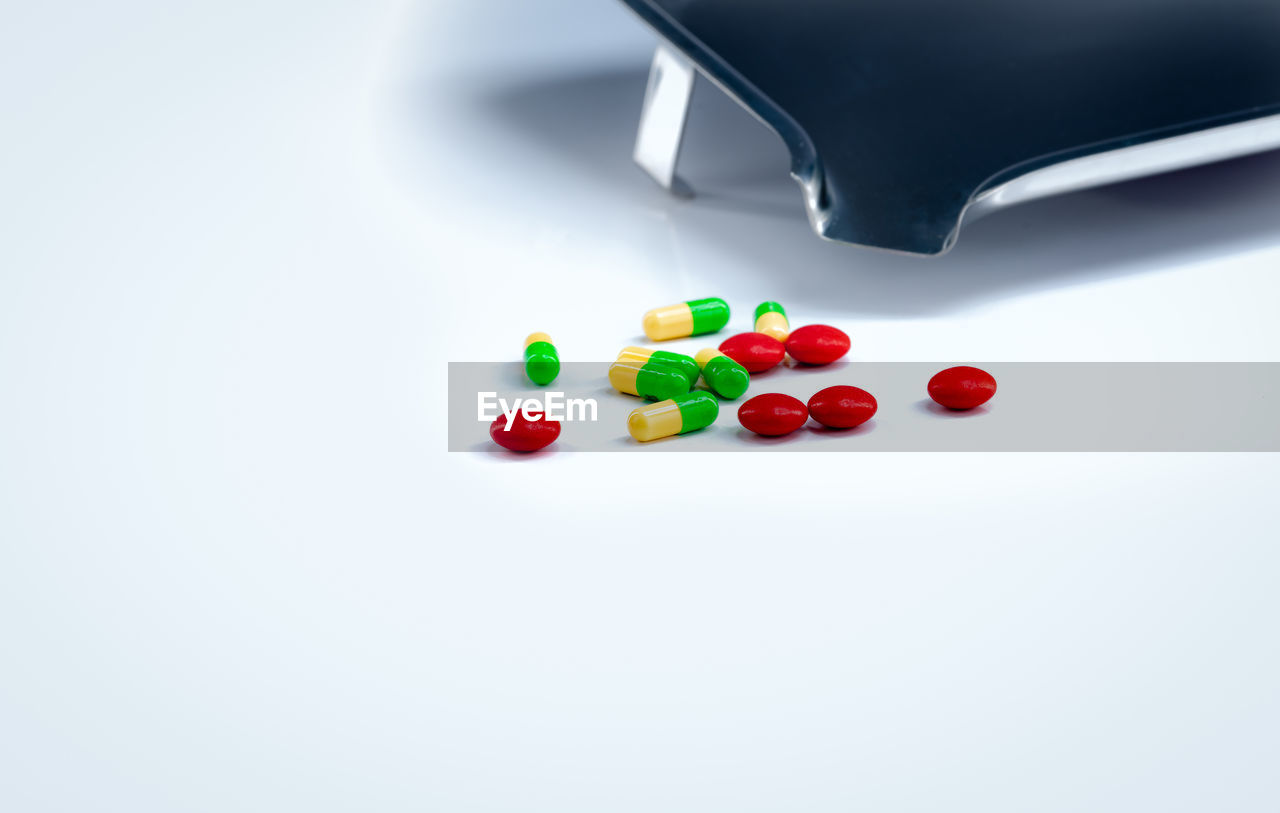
point(903, 116)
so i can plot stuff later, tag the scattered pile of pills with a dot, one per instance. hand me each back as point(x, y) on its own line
point(668, 379)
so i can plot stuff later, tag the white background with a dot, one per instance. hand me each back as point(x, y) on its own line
point(238, 571)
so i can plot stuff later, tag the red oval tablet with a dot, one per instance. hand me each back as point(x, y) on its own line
point(755, 351)
point(962, 387)
point(817, 344)
point(526, 434)
point(773, 414)
point(842, 407)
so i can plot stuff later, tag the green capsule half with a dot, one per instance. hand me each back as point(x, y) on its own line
point(685, 364)
point(726, 377)
point(541, 361)
point(650, 380)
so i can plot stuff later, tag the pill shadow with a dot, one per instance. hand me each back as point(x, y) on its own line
point(496, 452)
point(747, 436)
point(765, 374)
point(513, 375)
point(805, 369)
point(863, 428)
point(934, 408)
point(632, 443)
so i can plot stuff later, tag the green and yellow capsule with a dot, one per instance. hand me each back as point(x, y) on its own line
point(648, 379)
point(692, 318)
point(678, 361)
point(675, 416)
point(771, 320)
point(541, 361)
point(726, 377)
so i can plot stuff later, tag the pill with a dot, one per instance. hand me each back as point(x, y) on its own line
point(773, 414)
point(755, 351)
point(648, 380)
point(527, 433)
point(541, 361)
point(842, 407)
point(692, 318)
point(686, 365)
point(817, 344)
point(771, 320)
point(962, 387)
point(675, 416)
point(726, 377)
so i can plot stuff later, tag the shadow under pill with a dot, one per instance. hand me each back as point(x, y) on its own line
point(493, 450)
point(807, 369)
point(934, 408)
point(852, 431)
point(766, 440)
point(513, 375)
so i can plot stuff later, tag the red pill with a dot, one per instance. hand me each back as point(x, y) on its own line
point(773, 414)
point(962, 387)
point(755, 351)
point(526, 434)
point(817, 344)
point(842, 407)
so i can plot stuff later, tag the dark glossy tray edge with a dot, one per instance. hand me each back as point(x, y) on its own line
point(806, 164)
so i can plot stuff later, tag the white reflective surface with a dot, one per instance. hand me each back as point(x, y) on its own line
point(239, 572)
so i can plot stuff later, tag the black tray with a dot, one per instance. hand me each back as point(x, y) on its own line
point(902, 114)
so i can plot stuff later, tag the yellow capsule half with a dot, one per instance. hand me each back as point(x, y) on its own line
point(652, 381)
point(771, 320)
point(662, 420)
